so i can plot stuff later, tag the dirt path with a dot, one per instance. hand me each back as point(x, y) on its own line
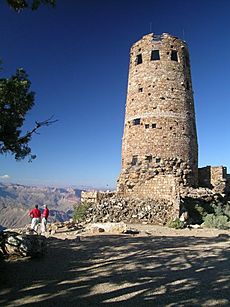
point(162, 267)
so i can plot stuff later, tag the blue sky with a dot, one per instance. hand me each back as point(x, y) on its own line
point(77, 58)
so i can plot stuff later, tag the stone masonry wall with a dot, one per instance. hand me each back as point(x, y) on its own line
point(95, 196)
point(159, 181)
point(129, 210)
point(159, 131)
point(213, 177)
point(89, 196)
point(111, 207)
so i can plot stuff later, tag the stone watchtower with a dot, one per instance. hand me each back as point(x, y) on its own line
point(159, 146)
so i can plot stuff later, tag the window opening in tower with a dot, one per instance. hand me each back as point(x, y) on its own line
point(155, 55)
point(136, 121)
point(187, 85)
point(149, 158)
point(174, 56)
point(139, 59)
point(134, 160)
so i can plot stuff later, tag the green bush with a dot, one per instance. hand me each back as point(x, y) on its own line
point(80, 211)
point(177, 224)
point(227, 211)
point(201, 211)
point(212, 214)
point(218, 209)
point(216, 221)
point(197, 210)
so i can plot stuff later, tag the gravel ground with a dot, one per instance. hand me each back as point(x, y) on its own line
point(157, 267)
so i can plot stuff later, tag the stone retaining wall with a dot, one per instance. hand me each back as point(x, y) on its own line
point(116, 209)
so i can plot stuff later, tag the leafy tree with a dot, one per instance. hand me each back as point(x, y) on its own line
point(19, 5)
point(16, 100)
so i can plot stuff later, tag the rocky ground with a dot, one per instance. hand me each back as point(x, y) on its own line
point(158, 266)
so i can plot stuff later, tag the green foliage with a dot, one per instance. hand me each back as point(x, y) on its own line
point(19, 5)
point(221, 209)
point(226, 211)
point(200, 211)
point(80, 211)
point(213, 215)
point(176, 223)
point(216, 221)
point(197, 211)
point(218, 209)
point(16, 100)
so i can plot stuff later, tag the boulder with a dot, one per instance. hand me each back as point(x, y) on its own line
point(131, 231)
point(108, 227)
point(13, 243)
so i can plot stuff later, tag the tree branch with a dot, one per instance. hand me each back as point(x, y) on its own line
point(38, 125)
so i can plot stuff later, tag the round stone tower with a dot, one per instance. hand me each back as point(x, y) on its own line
point(159, 137)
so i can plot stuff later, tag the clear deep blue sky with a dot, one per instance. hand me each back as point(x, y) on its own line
point(77, 58)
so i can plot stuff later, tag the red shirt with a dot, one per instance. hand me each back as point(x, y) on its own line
point(35, 213)
point(45, 213)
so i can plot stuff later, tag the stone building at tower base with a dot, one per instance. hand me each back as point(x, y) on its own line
point(166, 203)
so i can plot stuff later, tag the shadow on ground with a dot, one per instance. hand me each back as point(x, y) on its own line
point(122, 271)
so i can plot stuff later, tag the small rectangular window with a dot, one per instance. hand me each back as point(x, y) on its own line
point(146, 126)
point(187, 85)
point(154, 125)
point(136, 121)
point(139, 59)
point(134, 160)
point(174, 56)
point(187, 60)
point(155, 55)
point(158, 160)
point(149, 159)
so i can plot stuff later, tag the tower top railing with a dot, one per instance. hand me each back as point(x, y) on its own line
point(160, 37)
point(157, 37)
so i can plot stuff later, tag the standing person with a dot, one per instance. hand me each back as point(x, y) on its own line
point(45, 215)
point(35, 214)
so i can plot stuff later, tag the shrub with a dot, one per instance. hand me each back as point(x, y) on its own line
point(227, 211)
point(218, 209)
point(200, 212)
point(216, 215)
point(177, 224)
point(197, 210)
point(216, 221)
point(80, 211)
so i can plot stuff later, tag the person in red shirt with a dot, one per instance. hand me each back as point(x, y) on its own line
point(35, 214)
point(45, 215)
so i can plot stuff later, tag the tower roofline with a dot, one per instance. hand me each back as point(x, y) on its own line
point(157, 37)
